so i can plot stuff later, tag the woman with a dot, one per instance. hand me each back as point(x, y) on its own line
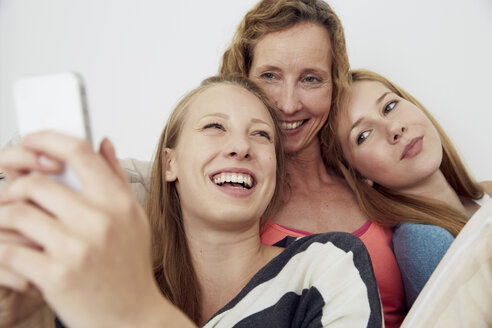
point(217, 174)
point(295, 51)
point(403, 168)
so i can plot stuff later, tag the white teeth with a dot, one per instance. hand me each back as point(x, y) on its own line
point(290, 125)
point(242, 178)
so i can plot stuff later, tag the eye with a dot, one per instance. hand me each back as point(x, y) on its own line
point(389, 107)
point(267, 76)
point(263, 134)
point(312, 79)
point(214, 126)
point(362, 137)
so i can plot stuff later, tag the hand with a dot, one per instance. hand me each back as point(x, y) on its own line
point(94, 264)
point(20, 302)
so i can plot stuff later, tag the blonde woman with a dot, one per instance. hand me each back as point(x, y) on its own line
point(405, 172)
point(216, 176)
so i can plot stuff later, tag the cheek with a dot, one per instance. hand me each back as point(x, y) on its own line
point(269, 166)
point(317, 102)
point(372, 164)
point(271, 91)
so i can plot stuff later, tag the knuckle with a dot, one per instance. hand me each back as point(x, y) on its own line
point(7, 254)
point(106, 231)
point(25, 186)
point(79, 252)
point(60, 277)
point(11, 211)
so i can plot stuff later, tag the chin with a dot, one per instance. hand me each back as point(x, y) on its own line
point(291, 148)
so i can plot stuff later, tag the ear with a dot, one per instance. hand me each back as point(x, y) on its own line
point(170, 167)
point(370, 183)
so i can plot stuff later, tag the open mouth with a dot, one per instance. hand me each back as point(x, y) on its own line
point(287, 126)
point(234, 180)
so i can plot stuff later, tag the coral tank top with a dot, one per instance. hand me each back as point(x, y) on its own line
point(377, 240)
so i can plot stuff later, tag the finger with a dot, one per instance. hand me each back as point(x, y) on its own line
point(13, 281)
point(36, 225)
point(15, 161)
point(31, 264)
point(88, 166)
point(106, 149)
point(13, 237)
point(69, 208)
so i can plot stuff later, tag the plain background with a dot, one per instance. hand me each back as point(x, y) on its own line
point(139, 57)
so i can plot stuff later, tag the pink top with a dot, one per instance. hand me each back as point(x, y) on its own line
point(377, 240)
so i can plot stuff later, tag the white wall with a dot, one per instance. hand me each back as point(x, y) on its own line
point(139, 57)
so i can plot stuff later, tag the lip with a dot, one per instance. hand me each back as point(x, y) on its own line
point(231, 191)
point(413, 148)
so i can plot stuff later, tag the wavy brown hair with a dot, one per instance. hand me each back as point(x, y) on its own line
point(172, 262)
point(387, 207)
point(276, 15)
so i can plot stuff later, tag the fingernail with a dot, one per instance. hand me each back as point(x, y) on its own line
point(48, 163)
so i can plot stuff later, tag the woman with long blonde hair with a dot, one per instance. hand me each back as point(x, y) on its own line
point(404, 171)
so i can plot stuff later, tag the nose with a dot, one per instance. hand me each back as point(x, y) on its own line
point(396, 131)
point(238, 148)
point(287, 100)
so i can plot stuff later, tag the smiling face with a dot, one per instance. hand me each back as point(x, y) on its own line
point(224, 163)
point(388, 139)
point(293, 68)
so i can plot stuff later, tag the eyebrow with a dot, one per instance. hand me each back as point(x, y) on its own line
point(378, 101)
point(258, 120)
point(221, 115)
point(225, 116)
point(268, 67)
point(309, 70)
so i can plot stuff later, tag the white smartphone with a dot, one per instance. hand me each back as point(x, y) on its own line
point(53, 102)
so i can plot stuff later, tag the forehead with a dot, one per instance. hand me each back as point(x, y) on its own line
point(364, 94)
point(231, 100)
point(305, 43)
point(363, 97)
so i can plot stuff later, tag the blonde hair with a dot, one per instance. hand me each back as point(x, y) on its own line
point(387, 207)
point(173, 267)
point(276, 15)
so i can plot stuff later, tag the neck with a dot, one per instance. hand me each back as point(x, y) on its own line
point(437, 187)
point(224, 261)
point(308, 160)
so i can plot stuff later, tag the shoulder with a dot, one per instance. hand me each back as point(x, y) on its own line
point(421, 238)
point(487, 187)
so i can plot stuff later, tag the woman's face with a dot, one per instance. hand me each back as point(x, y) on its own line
point(293, 68)
point(224, 164)
point(388, 139)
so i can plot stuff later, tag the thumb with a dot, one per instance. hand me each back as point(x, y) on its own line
point(106, 149)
